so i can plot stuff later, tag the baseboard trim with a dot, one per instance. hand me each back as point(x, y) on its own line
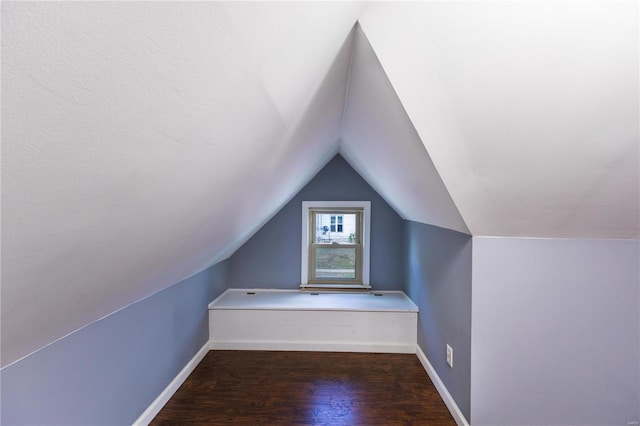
point(155, 407)
point(442, 389)
point(275, 345)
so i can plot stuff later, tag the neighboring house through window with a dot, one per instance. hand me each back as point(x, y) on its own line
point(335, 244)
point(339, 221)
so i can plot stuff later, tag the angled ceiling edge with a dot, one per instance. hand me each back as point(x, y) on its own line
point(124, 180)
point(310, 145)
point(535, 134)
point(380, 142)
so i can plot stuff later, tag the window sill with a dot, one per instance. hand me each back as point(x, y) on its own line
point(336, 286)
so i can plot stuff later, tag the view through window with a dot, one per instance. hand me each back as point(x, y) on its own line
point(335, 244)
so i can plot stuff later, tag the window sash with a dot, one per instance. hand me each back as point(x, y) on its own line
point(356, 244)
point(315, 279)
point(340, 207)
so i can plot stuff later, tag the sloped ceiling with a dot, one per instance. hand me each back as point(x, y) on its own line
point(381, 144)
point(144, 141)
point(529, 109)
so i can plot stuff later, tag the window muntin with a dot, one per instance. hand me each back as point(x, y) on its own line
point(338, 256)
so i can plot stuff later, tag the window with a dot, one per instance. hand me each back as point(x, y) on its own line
point(339, 221)
point(333, 223)
point(335, 244)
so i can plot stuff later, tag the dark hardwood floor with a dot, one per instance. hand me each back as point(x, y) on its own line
point(306, 388)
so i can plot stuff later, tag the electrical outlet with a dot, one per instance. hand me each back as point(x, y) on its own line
point(450, 356)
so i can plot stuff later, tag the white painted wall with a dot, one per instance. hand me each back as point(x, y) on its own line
point(529, 109)
point(555, 332)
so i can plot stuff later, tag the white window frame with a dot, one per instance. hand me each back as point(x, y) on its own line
point(366, 232)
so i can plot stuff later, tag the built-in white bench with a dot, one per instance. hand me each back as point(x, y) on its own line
point(381, 321)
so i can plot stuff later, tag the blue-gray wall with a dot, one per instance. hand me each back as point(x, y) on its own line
point(271, 257)
point(555, 332)
point(110, 371)
point(438, 279)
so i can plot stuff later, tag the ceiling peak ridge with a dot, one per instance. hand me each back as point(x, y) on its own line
point(379, 139)
point(346, 92)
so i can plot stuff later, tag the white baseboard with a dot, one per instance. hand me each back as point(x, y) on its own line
point(442, 390)
point(155, 407)
point(317, 346)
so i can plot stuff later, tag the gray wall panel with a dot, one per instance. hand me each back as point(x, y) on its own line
point(110, 371)
point(438, 280)
point(271, 257)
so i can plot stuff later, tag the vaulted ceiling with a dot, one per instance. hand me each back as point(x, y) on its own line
point(144, 141)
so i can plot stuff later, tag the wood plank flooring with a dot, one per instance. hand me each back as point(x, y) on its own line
point(306, 388)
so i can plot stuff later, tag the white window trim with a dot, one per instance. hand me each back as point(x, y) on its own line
point(366, 206)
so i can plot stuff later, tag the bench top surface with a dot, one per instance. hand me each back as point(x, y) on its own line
point(374, 301)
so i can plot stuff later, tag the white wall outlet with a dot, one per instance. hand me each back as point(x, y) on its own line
point(450, 356)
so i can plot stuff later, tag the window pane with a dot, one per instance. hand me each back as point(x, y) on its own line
point(335, 263)
point(334, 229)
